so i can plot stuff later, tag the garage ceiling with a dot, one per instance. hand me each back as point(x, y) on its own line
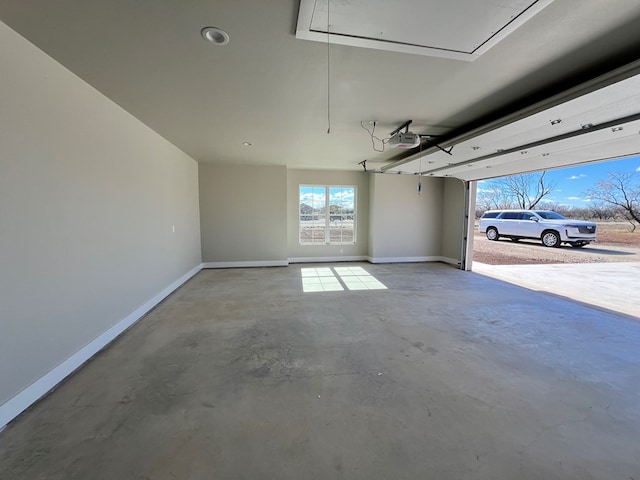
point(269, 88)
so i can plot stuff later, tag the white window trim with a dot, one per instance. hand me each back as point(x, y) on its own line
point(328, 188)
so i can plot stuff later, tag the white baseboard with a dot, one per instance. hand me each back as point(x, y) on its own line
point(23, 400)
point(364, 258)
point(452, 261)
point(403, 259)
point(251, 263)
point(342, 258)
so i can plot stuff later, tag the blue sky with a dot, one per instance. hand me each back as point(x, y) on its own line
point(572, 182)
point(315, 196)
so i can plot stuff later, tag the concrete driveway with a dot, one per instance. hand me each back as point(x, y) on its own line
point(614, 286)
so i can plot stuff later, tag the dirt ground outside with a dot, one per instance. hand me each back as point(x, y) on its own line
point(616, 243)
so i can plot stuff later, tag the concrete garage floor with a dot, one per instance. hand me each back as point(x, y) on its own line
point(445, 374)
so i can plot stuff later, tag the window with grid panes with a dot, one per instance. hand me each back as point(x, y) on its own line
point(327, 215)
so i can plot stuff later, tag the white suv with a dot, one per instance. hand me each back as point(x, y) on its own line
point(549, 227)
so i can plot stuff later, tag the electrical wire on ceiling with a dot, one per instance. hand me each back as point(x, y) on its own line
point(420, 171)
point(372, 134)
point(328, 72)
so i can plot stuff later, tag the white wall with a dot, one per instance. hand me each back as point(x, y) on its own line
point(88, 200)
point(243, 215)
point(405, 226)
point(295, 178)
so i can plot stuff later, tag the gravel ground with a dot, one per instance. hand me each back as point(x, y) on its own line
point(615, 244)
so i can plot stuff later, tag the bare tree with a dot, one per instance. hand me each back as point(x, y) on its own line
point(601, 211)
point(621, 190)
point(492, 198)
point(517, 191)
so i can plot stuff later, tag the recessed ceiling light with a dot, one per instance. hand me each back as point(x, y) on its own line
point(586, 126)
point(215, 35)
point(546, 154)
point(524, 152)
point(617, 129)
point(557, 121)
point(475, 148)
point(247, 144)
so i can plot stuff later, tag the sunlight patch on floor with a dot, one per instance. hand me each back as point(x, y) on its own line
point(319, 280)
point(334, 279)
point(357, 278)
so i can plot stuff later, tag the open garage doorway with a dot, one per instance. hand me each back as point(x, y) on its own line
point(603, 272)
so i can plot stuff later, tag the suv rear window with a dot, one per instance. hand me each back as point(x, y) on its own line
point(490, 214)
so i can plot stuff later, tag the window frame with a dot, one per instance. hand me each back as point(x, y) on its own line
point(328, 215)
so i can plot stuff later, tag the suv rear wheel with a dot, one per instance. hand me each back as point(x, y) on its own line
point(492, 233)
point(550, 238)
